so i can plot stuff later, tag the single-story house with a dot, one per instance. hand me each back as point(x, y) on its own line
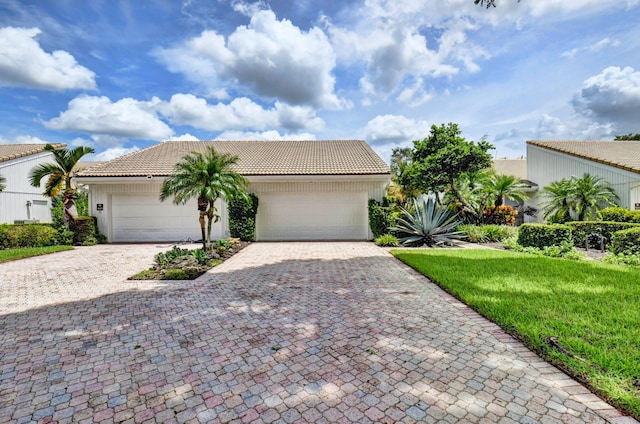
point(307, 190)
point(21, 202)
point(618, 162)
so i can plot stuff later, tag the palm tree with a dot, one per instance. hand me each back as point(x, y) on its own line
point(559, 198)
point(591, 193)
point(206, 176)
point(60, 174)
point(3, 183)
point(505, 187)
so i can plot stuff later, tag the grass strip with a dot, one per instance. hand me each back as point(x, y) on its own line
point(581, 316)
point(7, 255)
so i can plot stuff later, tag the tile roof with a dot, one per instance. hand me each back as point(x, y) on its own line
point(14, 151)
point(308, 157)
point(620, 154)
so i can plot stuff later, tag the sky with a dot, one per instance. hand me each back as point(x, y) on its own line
point(122, 75)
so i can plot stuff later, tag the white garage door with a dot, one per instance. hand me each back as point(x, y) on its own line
point(143, 218)
point(312, 216)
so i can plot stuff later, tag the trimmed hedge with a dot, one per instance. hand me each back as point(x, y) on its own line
point(544, 235)
point(84, 229)
point(242, 218)
point(626, 241)
point(620, 215)
point(381, 216)
point(28, 235)
point(580, 229)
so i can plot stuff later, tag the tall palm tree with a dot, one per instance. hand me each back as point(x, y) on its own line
point(559, 198)
point(206, 176)
point(60, 175)
point(3, 183)
point(591, 193)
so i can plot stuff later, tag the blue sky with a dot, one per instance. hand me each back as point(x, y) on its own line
point(122, 75)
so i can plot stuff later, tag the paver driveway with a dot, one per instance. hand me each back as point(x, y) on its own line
point(281, 332)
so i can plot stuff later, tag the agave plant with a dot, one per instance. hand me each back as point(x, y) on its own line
point(428, 223)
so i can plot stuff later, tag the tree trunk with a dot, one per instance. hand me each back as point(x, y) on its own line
point(69, 211)
point(204, 240)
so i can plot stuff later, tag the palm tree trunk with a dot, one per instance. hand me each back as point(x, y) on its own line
point(204, 240)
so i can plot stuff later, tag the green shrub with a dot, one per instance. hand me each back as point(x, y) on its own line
point(381, 216)
point(543, 235)
point(84, 228)
point(581, 229)
point(29, 235)
point(488, 233)
point(626, 241)
point(618, 214)
point(388, 240)
point(622, 259)
point(163, 258)
point(175, 274)
point(564, 250)
point(242, 218)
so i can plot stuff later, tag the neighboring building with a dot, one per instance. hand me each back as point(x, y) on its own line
point(307, 190)
point(618, 162)
point(518, 168)
point(20, 201)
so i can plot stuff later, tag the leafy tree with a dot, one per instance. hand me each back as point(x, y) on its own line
point(505, 187)
point(3, 183)
point(583, 197)
point(627, 137)
point(558, 195)
point(442, 158)
point(489, 2)
point(60, 175)
point(591, 192)
point(206, 176)
point(401, 188)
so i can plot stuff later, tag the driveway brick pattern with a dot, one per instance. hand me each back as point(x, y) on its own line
point(281, 332)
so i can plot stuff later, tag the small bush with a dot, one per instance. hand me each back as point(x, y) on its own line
point(626, 241)
point(175, 274)
point(242, 218)
point(580, 229)
point(84, 228)
point(29, 235)
point(618, 214)
point(163, 258)
point(622, 259)
point(500, 215)
point(488, 233)
point(387, 240)
point(543, 235)
point(565, 250)
point(381, 216)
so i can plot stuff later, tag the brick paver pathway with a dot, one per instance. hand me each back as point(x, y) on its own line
point(281, 332)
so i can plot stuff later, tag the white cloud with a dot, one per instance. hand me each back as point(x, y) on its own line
point(184, 137)
point(271, 135)
point(241, 113)
point(613, 96)
point(23, 139)
point(273, 58)
point(415, 95)
point(114, 152)
point(395, 130)
point(23, 63)
point(124, 118)
point(597, 47)
point(547, 7)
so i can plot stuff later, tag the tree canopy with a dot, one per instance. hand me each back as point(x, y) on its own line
point(439, 160)
point(206, 176)
point(627, 137)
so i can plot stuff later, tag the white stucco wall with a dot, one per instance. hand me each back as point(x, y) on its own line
point(19, 193)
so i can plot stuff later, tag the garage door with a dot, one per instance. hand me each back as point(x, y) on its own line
point(145, 218)
point(312, 216)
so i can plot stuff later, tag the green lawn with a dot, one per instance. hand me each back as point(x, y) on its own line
point(7, 255)
point(592, 309)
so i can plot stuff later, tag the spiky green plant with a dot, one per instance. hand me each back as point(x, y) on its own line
point(427, 223)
